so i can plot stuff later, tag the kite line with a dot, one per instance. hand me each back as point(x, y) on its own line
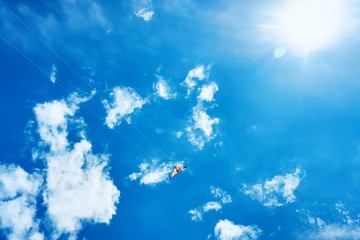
point(78, 75)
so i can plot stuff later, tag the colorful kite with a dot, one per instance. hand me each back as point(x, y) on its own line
point(176, 171)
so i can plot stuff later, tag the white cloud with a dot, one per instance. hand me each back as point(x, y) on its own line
point(18, 191)
point(203, 121)
point(162, 89)
point(200, 120)
point(145, 13)
point(199, 129)
point(124, 103)
point(340, 207)
point(53, 73)
point(52, 120)
point(344, 225)
point(219, 193)
point(208, 91)
point(154, 173)
point(195, 139)
point(200, 73)
point(179, 134)
point(336, 232)
point(212, 206)
point(196, 215)
point(227, 230)
point(278, 191)
point(78, 187)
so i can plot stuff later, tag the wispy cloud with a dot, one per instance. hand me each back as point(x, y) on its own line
point(162, 89)
point(18, 191)
point(343, 225)
point(53, 73)
point(84, 15)
point(336, 232)
point(124, 102)
point(227, 230)
point(178, 134)
point(201, 128)
point(277, 191)
point(199, 72)
point(203, 121)
point(219, 193)
point(212, 205)
point(154, 172)
point(208, 91)
point(145, 14)
point(78, 186)
point(196, 214)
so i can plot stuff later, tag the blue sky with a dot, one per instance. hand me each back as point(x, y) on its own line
point(100, 100)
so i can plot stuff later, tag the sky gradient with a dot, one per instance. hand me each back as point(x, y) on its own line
point(101, 100)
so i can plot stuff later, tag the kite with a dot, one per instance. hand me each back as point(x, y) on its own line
point(176, 170)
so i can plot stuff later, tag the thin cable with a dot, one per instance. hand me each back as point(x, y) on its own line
point(68, 92)
point(74, 71)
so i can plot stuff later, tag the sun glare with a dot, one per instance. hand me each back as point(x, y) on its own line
point(309, 25)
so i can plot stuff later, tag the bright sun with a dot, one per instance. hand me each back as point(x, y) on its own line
point(309, 25)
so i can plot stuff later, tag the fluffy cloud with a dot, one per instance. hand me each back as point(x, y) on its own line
point(18, 191)
point(200, 73)
point(227, 230)
point(53, 73)
point(154, 172)
point(78, 186)
point(208, 91)
point(52, 120)
point(124, 102)
point(145, 14)
point(162, 89)
point(201, 129)
point(212, 205)
point(278, 191)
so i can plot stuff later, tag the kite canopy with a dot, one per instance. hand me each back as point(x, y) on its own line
point(176, 170)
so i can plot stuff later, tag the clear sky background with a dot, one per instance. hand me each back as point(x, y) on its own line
point(101, 99)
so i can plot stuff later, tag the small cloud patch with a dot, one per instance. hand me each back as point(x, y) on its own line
point(199, 72)
point(162, 89)
point(145, 14)
point(201, 128)
point(227, 230)
point(53, 73)
point(208, 91)
point(154, 172)
point(278, 191)
point(124, 102)
point(223, 197)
